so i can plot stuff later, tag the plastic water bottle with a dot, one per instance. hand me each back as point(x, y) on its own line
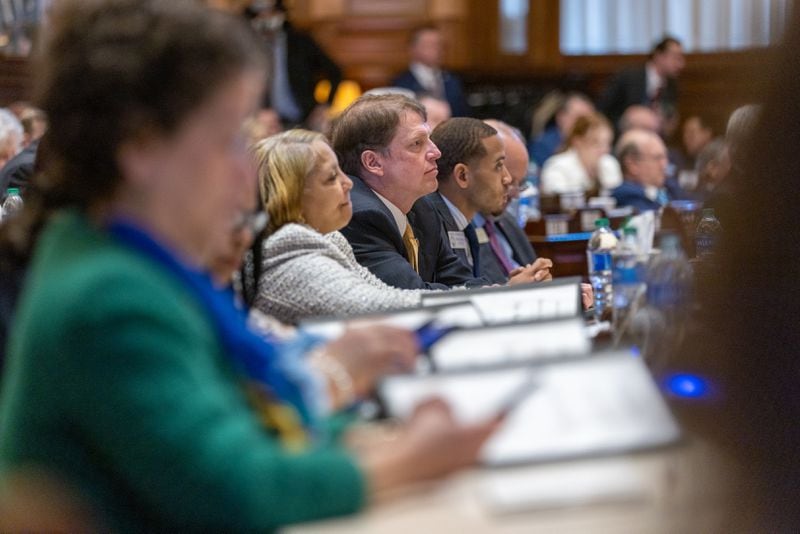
point(669, 285)
point(601, 245)
point(707, 233)
point(628, 281)
point(528, 206)
point(12, 204)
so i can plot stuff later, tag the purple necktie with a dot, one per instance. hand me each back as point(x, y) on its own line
point(497, 248)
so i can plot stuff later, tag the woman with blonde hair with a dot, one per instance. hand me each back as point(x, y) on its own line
point(585, 164)
point(306, 267)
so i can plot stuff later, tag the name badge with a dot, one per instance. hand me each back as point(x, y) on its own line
point(457, 240)
point(482, 236)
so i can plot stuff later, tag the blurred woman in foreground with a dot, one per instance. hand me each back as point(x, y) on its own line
point(130, 378)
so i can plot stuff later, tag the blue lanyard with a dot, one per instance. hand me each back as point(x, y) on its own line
point(251, 355)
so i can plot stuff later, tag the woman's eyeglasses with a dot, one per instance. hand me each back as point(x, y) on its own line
point(255, 222)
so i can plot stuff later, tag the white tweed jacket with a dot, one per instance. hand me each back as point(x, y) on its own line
point(306, 274)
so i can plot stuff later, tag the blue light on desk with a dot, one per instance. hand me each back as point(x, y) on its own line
point(687, 386)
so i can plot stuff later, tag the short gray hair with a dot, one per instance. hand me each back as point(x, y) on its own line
point(11, 133)
point(741, 124)
point(710, 153)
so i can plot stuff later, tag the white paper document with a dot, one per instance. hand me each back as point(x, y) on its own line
point(507, 345)
point(534, 302)
point(594, 406)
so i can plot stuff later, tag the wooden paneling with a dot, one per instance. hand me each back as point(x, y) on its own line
point(15, 80)
point(711, 85)
point(368, 38)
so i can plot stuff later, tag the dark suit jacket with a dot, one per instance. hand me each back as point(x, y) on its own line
point(522, 251)
point(629, 87)
point(19, 169)
point(307, 64)
point(454, 92)
point(378, 245)
point(632, 194)
point(448, 224)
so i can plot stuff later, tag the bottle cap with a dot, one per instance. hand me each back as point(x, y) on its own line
point(12, 191)
point(708, 212)
point(629, 230)
point(602, 222)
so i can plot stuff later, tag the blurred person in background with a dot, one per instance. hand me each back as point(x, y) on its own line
point(585, 165)
point(425, 72)
point(297, 64)
point(11, 137)
point(553, 121)
point(713, 165)
point(653, 84)
point(438, 109)
point(34, 125)
point(643, 158)
point(262, 124)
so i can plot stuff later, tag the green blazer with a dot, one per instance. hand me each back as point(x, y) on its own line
point(116, 383)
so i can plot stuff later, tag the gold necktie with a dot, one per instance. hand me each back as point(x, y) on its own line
point(412, 247)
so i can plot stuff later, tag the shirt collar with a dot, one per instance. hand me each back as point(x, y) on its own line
point(459, 218)
point(399, 217)
point(654, 79)
point(424, 74)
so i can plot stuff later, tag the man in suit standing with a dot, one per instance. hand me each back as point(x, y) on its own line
point(643, 158)
point(425, 73)
point(297, 64)
point(474, 180)
point(653, 84)
point(383, 142)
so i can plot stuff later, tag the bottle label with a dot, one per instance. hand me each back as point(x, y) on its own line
point(705, 244)
point(601, 261)
point(625, 275)
point(666, 295)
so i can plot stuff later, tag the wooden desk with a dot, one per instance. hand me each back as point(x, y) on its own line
point(685, 489)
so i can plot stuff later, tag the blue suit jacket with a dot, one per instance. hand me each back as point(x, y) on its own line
point(454, 92)
point(632, 194)
point(378, 245)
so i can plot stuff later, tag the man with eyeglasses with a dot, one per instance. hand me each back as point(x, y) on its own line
point(643, 158)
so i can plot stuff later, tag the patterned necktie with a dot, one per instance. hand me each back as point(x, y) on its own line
point(474, 248)
point(412, 247)
point(497, 248)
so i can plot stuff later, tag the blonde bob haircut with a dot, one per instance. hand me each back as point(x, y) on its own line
point(284, 161)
